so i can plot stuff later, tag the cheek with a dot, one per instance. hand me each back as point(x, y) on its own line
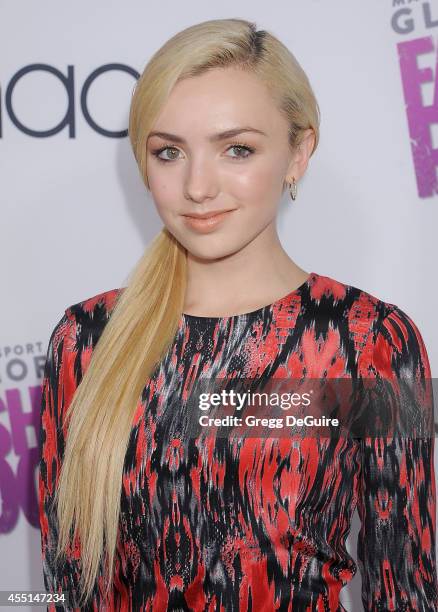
point(259, 192)
point(165, 196)
point(161, 183)
point(258, 182)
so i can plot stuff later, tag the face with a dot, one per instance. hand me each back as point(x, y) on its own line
point(196, 169)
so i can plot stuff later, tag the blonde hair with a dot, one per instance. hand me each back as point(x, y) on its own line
point(145, 318)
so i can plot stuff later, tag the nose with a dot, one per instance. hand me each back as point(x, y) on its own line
point(200, 181)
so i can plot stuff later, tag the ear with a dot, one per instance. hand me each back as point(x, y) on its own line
point(301, 156)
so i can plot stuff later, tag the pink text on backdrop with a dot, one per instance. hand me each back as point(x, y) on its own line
point(18, 485)
point(421, 117)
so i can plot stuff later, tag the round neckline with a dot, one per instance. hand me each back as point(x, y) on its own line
point(252, 313)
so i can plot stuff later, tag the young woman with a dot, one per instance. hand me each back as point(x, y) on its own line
point(136, 515)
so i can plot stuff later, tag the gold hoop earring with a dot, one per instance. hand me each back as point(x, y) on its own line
point(293, 189)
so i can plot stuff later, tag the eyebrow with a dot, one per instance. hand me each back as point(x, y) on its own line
point(214, 138)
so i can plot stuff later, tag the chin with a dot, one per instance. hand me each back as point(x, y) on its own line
point(210, 248)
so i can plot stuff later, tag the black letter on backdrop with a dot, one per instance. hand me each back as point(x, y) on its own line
point(84, 93)
point(68, 83)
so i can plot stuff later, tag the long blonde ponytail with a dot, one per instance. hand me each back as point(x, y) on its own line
point(103, 406)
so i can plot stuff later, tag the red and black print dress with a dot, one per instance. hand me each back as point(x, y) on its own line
point(263, 527)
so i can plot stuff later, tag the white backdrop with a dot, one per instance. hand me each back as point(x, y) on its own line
point(76, 215)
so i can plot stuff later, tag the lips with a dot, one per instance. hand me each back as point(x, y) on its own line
point(208, 215)
point(206, 223)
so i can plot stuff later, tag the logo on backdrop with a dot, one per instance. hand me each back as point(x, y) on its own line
point(66, 81)
point(418, 59)
point(20, 404)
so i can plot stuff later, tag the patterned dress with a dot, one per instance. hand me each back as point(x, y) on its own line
point(262, 526)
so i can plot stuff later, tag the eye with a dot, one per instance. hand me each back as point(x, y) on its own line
point(242, 147)
point(157, 153)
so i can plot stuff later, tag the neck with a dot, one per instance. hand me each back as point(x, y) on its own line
point(256, 275)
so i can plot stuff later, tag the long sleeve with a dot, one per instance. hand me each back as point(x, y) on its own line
point(397, 491)
point(51, 448)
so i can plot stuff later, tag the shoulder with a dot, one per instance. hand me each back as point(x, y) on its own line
point(81, 323)
point(372, 324)
point(99, 305)
point(89, 316)
point(75, 335)
point(363, 310)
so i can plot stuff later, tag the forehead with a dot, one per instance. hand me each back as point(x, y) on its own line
point(218, 100)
